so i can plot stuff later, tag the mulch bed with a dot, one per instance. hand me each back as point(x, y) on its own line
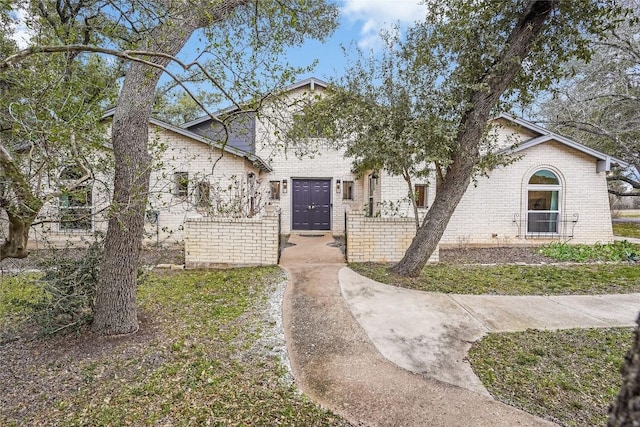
point(498, 255)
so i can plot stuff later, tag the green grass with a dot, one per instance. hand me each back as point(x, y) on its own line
point(612, 252)
point(626, 229)
point(18, 294)
point(570, 376)
point(202, 357)
point(513, 279)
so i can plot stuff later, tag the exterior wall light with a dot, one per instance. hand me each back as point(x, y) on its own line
point(338, 186)
point(284, 186)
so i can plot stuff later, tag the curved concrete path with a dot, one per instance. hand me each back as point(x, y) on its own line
point(337, 365)
point(432, 333)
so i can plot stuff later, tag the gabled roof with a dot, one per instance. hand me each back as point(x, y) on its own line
point(312, 82)
point(255, 160)
point(604, 160)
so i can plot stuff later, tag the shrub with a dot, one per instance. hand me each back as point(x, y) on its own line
point(69, 286)
point(616, 252)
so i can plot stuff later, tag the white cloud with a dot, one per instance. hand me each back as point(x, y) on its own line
point(21, 33)
point(376, 15)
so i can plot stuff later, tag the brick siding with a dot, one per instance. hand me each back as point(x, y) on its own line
point(212, 242)
point(379, 239)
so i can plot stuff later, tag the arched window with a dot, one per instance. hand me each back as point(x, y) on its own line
point(76, 204)
point(543, 202)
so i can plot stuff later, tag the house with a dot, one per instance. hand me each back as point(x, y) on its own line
point(556, 190)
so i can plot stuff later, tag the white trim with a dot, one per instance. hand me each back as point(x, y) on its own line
point(604, 161)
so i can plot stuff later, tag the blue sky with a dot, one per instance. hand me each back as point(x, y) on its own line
point(360, 24)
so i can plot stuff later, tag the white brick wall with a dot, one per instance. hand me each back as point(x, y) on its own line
point(203, 163)
point(379, 239)
point(485, 215)
point(211, 242)
point(320, 162)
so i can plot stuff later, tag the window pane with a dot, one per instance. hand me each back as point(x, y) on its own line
point(274, 190)
point(75, 209)
point(347, 190)
point(203, 194)
point(181, 180)
point(544, 177)
point(421, 195)
point(543, 201)
point(543, 222)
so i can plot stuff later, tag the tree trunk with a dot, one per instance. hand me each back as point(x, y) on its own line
point(473, 122)
point(21, 211)
point(115, 309)
point(625, 410)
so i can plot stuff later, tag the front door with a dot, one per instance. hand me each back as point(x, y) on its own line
point(311, 204)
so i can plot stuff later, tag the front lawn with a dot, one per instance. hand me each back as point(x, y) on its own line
point(568, 376)
point(627, 229)
point(208, 353)
point(513, 279)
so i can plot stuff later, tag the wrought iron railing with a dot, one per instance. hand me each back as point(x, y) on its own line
point(549, 226)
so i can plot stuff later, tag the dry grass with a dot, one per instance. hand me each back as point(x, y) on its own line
point(207, 354)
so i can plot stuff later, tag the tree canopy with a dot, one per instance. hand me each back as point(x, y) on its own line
point(599, 103)
point(463, 64)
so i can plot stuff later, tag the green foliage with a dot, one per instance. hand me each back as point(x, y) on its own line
point(513, 279)
point(617, 251)
point(69, 287)
point(597, 104)
point(570, 376)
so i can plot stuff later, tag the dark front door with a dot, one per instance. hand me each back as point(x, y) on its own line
point(311, 204)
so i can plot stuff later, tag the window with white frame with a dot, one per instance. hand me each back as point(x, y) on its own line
point(347, 190)
point(543, 202)
point(203, 194)
point(274, 190)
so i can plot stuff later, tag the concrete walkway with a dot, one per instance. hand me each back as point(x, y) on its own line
point(336, 363)
point(430, 333)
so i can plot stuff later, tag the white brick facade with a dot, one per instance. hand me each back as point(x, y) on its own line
point(486, 213)
point(212, 242)
point(492, 212)
point(380, 239)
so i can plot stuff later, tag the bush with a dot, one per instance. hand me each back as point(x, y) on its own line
point(615, 252)
point(70, 288)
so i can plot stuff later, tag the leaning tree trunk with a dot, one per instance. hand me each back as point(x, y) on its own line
point(469, 136)
point(115, 308)
point(625, 410)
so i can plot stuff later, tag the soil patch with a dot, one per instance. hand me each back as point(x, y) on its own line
point(148, 257)
point(499, 255)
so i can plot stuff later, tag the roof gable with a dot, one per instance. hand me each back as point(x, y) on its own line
point(603, 160)
point(312, 82)
point(257, 161)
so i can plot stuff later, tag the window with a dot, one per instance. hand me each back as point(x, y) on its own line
point(347, 190)
point(181, 184)
point(274, 190)
point(203, 194)
point(75, 206)
point(421, 195)
point(543, 202)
